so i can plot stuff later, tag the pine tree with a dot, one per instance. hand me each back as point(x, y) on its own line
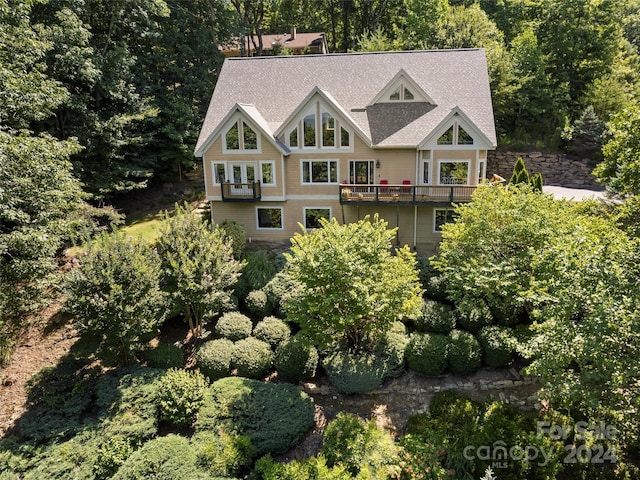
point(520, 173)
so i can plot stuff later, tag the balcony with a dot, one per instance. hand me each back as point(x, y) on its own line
point(405, 195)
point(241, 192)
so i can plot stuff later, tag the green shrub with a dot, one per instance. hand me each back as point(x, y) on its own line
point(163, 458)
point(454, 409)
point(296, 360)
point(260, 268)
point(415, 455)
point(180, 396)
point(165, 355)
point(354, 372)
point(498, 344)
point(357, 444)
point(222, 454)
point(427, 353)
point(272, 330)
point(436, 317)
point(279, 288)
point(275, 416)
point(128, 399)
point(473, 314)
point(213, 358)
point(306, 469)
point(391, 350)
point(238, 236)
point(252, 358)
point(431, 280)
point(465, 353)
point(113, 452)
point(258, 303)
point(234, 326)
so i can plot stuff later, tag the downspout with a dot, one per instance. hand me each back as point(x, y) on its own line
point(415, 227)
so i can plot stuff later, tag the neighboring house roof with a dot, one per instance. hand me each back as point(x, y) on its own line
point(277, 86)
point(296, 41)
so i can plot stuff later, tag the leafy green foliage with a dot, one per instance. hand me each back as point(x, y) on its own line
point(164, 355)
point(437, 317)
point(258, 270)
point(498, 345)
point(222, 454)
point(296, 360)
point(306, 469)
point(113, 452)
point(163, 458)
point(464, 354)
point(236, 235)
point(115, 294)
point(352, 287)
point(473, 313)
point(180, 396)
point(252, 358)
point(354, 372)
point(234, 326)
point(272, 330)
point(258, 303)
point(520, 173)
point(357, 444)
point(427, 353)
point(198, 263)
point(275, 416)
point(391, 350)
point(419, 459)
point(213, 358)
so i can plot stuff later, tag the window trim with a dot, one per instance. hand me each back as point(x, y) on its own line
point(426, 162)
point(326, 160)
point(258, 227)
point(435, 216)
point(214, 171)
point(304, 214)
point(274, 181)
point(239, 123)
point(448, 160)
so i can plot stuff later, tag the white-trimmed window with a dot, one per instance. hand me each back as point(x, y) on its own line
point(319, 171)
point(362, 172)
point(269, 218)
point(402, 94)
point(455, 135)
point(453, 172)
point(442, 216)
point(268, 172)
point(425, 172)
point(218, 170)
point(312, 216)
point(318, 129)
point(240, 137)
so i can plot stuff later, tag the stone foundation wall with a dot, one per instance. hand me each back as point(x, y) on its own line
point(556, 169)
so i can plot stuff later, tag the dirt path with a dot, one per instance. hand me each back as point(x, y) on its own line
point(42, 346)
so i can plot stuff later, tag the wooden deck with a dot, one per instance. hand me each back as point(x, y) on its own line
point(424, 195)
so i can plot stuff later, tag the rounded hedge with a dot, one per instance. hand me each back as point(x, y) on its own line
point(275, 416)
point(427, 353)
point(391, 351)
point(252, 358)
point(234, 326)
point(498, 345)
point(236, 233)
point(165, 355)
point(436, 317)
point(258, 303)
point(465, 353)
point(272, 330)
point(473, 314)
point(296, 360)
point(213, 358)
point(354, 373)
point(180, 396)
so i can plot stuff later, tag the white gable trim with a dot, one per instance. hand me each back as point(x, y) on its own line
point(402, 79)
point(480, 140)
point(253, 118)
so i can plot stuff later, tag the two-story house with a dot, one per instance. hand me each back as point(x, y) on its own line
point(288, 140)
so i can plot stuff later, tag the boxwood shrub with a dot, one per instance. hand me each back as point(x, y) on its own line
point(272, 330)
point(180, 396)
point(252, 358)
point(258, 303)
point(498, 345)
point(354, 372)
point(473, 314)
point(213, 358)
point(391, 350)
point(465, 353)
point(275, 416)
point(222, 454)
point(165, 355)
point(437, 317)
point(296, 360)
point(427, 353)
point(234, 326)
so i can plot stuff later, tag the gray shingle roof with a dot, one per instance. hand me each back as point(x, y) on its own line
point(275, 86)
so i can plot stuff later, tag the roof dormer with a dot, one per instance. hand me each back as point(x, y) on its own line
point(402, 88)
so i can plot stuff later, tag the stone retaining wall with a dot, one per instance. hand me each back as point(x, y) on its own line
point(556, 169)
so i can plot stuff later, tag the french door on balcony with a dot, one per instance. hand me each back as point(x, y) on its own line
point(362, 172)
point(242, 176)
